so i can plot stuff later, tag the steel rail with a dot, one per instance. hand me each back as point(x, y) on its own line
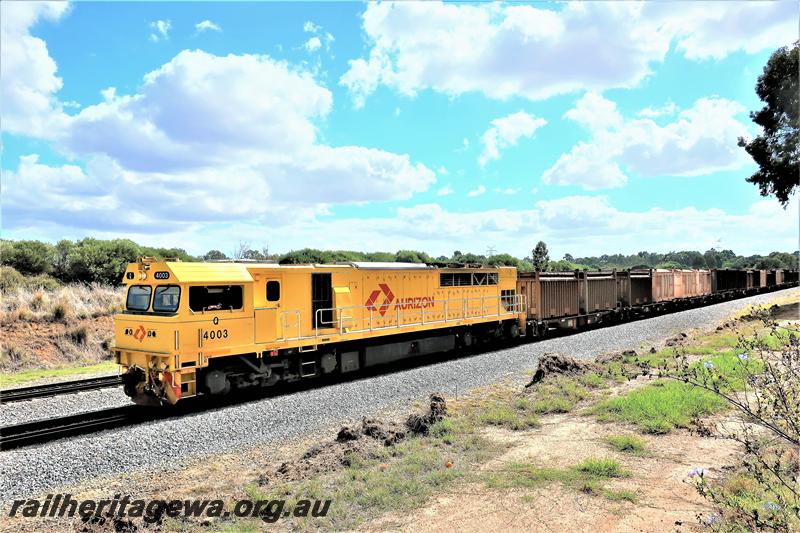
point(39, 431)
point(55, 389)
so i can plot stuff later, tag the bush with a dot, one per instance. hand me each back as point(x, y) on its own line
point(79, 335)
point(10, 278)
point(96, 261)
point(42, 281)
point(60, 311)
point(29, 257)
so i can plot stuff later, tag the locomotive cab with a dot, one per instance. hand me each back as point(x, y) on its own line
point(174, 316)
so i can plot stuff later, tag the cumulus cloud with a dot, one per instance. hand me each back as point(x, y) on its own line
point(668, 109)
point(504, 50)
point(505, 132)
point(445, 191)
point(477, 192)
point(510, 191)
point(28, 75)
point(700, 140)
point(211, 138)
point(207, 25)
point(313, 44)
point(160, 30)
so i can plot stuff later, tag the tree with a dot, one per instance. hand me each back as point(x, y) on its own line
point(568, 257)
point(777, 149)
point(212, 255)
point(540, 256)
point(241, 250)
point(93, 260)
point(30, 257)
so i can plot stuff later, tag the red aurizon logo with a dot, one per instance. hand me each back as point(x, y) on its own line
point(140, 333)
point(387, 300)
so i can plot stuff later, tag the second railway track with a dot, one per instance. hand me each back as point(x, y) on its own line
point(55, 389)
point(40, 431)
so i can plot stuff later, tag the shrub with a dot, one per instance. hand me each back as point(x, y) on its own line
point(42, 281)
point(29, 257)
point(10, 278)
point(79, 335)
point(60, 311)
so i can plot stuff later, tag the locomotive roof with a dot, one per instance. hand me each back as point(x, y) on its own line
point(243, 272)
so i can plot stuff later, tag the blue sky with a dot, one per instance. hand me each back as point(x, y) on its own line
point(597, 127)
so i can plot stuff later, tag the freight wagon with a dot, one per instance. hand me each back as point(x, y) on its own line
point(204, 328)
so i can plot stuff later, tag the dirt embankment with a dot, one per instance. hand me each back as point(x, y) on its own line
point(48, 344)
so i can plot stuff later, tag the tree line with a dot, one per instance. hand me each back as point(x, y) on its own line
point(103, 261)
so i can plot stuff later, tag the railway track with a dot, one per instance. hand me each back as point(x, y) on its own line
point(55, 389)
point(30, 433)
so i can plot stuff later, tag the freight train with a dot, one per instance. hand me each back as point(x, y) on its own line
point(192, 329)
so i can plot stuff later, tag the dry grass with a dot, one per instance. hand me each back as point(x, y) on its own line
point(69, 301)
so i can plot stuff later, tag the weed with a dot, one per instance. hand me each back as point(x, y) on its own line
point(593, 380)
point(559, 395)
point(627, 444)
point(79, 335)
point(602, 468)
point(660, 407)
point(619, 495)
point(504, 415)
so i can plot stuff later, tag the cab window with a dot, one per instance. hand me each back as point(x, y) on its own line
point(273, 291)
point(138, 298)
point(215, 298)
point(166, 298)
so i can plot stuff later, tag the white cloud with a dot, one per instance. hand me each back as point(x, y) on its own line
point(595, 112)
point(160, 30)
point(28, 79)
point(313, 44)
point(445, 191)
point(668, 109)
point(504, 50)
point(700, 140)
point(209, 138)
point(207, 25)
point(510, 191)
point(477, 192)
point(505, 132)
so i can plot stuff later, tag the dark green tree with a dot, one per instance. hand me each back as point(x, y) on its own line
point(30, 257)
point(777, 149)
point(214, 255)
point(540, 256)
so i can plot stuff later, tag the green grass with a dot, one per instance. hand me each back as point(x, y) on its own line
point(517, 417)
point(586, 476)
point(559, 395)
point(593, 380)
point(660, 407)
point(729, 371)
point(18, 378)
point(393, 479)
point(627, 444)
point(601, 468)
point(619, 495)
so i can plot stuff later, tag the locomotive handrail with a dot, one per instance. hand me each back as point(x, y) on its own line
point(507, 305)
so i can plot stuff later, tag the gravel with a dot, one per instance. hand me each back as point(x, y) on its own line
point(167, 444)
point(62, 405)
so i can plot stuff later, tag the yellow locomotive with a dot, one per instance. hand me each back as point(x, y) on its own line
point(205, 328)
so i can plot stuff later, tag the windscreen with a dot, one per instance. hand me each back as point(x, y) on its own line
point(166, 298)
point(138, 298)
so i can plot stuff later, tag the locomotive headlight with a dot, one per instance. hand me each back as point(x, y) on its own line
point(142, 275)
